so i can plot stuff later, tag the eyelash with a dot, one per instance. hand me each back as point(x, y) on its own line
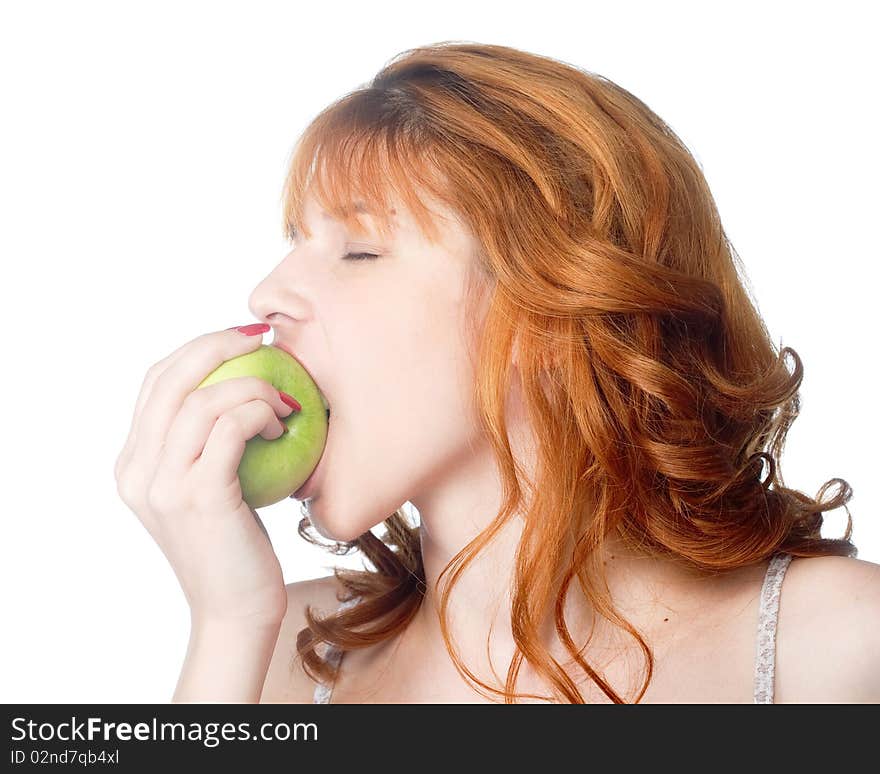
point(360, 257)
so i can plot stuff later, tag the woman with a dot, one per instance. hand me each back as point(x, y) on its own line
point(509, 278)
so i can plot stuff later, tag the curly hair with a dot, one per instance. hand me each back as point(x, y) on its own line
point(658, 389)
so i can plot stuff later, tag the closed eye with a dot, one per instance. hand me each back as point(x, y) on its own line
point(360, 257)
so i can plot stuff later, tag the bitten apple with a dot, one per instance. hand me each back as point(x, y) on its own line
point(272, 470)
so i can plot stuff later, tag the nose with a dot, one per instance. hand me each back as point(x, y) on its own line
point(259, 302)
point(277, 296)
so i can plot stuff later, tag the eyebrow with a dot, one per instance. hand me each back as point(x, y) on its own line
point(294, 233)
point(358, 207)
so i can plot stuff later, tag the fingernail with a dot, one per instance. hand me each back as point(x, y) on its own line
point(255, 329)
point(290, 401)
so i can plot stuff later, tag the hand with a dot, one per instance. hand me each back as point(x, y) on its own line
point(178, 473)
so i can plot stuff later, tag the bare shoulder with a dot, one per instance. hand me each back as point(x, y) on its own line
point(286, 681)
point(828, 632)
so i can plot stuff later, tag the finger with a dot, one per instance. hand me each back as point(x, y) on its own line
point(179, 379)
point(201, 409)
point(152, 374)
point(146, 387)
point(226, 443)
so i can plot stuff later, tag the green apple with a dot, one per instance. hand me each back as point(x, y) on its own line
point(272, 470)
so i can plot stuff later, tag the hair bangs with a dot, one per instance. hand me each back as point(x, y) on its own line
point(353, 167)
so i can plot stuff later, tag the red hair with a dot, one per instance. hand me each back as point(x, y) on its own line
point(659, 392)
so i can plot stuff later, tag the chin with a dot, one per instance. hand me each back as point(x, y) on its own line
point(344, 535)
point(335, 516)
point(337, 533)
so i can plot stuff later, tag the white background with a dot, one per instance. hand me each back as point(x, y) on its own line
point(143, 151)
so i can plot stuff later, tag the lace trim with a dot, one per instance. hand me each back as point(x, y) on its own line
point(333, 656)
point(768, 613)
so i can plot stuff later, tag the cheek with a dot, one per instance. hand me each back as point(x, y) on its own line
point(404, 407)
point(421, 411)
point(409, 350)
point(435, 376)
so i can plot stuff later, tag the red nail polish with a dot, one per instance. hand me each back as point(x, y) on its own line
point(254, 329)
point(290, 401)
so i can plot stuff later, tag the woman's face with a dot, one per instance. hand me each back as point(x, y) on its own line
point(386, 341)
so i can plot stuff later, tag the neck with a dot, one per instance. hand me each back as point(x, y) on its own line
point(457, 507)
point(478, 613)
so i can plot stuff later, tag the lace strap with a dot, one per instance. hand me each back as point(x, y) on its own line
point(768, 613)
point(333, 656)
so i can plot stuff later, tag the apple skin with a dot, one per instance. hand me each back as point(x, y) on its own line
point(272, 470)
